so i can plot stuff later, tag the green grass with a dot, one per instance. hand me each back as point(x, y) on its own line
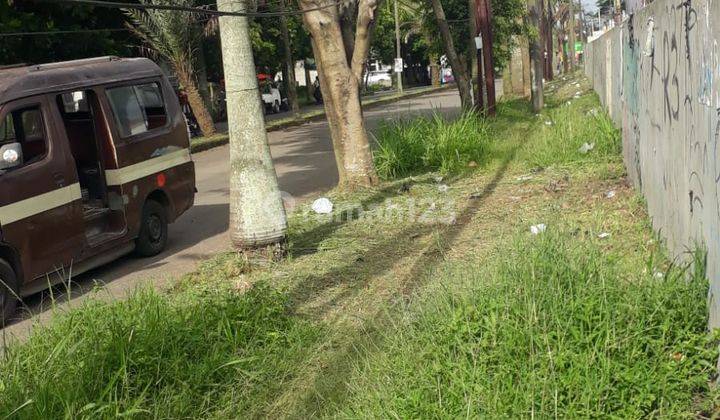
point(202, 352)
point(383, 309)
point(554, 329)
point(431, 144)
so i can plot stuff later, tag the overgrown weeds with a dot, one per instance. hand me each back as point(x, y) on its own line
point(552, 330)
point(196, 354)
point(431, 144)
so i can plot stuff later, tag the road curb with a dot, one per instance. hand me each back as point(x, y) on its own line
point(222, 139)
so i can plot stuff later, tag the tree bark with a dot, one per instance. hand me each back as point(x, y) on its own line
point(549, 56)
point(536, 55)
point(289, 73)
point(571, 35)
point(434, 70)
point(459, 70)
point(196, 102)
point(340, 79)
point(257, 215)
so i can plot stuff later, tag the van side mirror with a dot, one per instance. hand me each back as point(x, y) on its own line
point(11, 156)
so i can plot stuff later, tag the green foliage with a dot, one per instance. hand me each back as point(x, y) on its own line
point(555, 330)
point(196, 354)
point(429, 144)
point(25, 16)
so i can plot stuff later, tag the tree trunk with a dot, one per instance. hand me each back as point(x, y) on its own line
point(549, 56)
point(257, 215)
point(340, 85)
point(536, 55)
point(201, 74)
point(308, 82)
point(196, 102)
point(571, 35)
point(434, 71)
point(289, 73)
point(459, 70)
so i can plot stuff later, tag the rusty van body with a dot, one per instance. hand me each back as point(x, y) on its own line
point(94, 163)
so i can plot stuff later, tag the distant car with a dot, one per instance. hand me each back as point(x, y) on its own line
point(379, 78)
point(271, 98)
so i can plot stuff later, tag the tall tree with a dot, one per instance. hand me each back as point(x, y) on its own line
point(289, 69)
point(175, 36)
point(257, 216)
point(536, 53)
point(341, 40)
point(460, 70)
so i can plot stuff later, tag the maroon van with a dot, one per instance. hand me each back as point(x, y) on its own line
point(94, 163)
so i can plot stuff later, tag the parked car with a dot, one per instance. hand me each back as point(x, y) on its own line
point(379, 78)
point(271, 97)
point(94, 164)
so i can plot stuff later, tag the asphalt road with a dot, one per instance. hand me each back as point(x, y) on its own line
point(305, 166)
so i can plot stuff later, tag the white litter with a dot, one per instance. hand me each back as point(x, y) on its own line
point(322, 206)
point(548, 122)
point(610, 194)
point(586, 147)
point(524, 178)
point(604, 235)
point(443, 188)
point(537, 229)
point(438, 179)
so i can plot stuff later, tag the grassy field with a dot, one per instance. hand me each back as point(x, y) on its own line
point(425, 297)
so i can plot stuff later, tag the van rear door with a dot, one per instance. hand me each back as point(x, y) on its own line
point(40, 208)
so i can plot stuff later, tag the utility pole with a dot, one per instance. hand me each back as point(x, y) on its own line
point(483, 14)
point(257, 215)
point(399, 53)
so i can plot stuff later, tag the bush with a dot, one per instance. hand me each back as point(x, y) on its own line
point(555, 331)
point(431, 144)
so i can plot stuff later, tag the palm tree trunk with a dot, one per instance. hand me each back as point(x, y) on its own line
point(257, 215)
point(197, 104)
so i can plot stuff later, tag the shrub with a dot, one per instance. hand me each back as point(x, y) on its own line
point(431, 144)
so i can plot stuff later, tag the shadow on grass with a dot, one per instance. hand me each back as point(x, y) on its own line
point(328, 384)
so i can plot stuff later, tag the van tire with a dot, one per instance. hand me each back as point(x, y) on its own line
point(8, 288)
point(153, 230)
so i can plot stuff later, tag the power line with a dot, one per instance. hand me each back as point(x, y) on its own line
point(198, 10)
point(62, 32)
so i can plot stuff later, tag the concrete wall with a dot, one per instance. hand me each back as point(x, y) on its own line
point(661, 84)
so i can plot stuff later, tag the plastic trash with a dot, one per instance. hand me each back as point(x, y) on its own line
point(586, 147)
point(443, 188)
point(438, 179)
point(537, 229)
point(604, 235)
point(322, 206)
point(548, 122)
point(610, 194)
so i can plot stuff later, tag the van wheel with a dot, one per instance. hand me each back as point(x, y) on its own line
point(153, 230)
point(275, 107)
point(8, 285)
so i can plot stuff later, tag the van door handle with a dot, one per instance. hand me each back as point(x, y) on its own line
point(59, 179)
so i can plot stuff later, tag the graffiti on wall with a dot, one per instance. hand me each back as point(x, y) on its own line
point(667, 95)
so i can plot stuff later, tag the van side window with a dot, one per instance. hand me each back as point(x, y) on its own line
point(25, 126)
point(137, 108)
